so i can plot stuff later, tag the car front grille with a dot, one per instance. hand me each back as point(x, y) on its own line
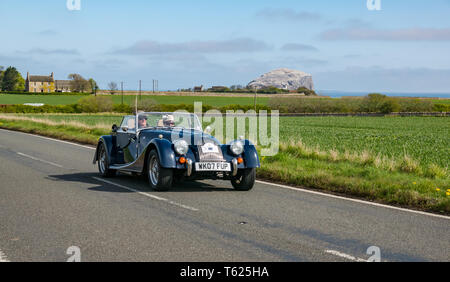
point(210, 157)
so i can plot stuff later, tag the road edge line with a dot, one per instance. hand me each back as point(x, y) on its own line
point(351, 199)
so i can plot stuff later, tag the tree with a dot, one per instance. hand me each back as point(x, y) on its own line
point(12, 80)
point(306, 91)
point(93, 85)
point(78, 83)
point(1, 76)
point(112, 86)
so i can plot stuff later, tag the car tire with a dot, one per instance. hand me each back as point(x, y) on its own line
point(160, 178)
point(244, 180)
point(103, 163)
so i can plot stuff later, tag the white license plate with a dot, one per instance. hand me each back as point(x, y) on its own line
point(213, 166)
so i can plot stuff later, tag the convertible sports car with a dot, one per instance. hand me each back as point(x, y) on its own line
point(170, 147)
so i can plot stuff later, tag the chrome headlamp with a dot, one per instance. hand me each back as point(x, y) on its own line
point(237, 147)
point(181, 147)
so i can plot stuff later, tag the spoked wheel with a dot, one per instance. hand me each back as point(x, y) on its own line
point(244, 180)
point(160, 178)
point(103, 165)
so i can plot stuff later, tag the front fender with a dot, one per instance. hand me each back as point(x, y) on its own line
point(108, 140)
point(165, 151)
point(251, 156)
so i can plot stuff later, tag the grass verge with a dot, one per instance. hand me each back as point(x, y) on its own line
point(382, 180)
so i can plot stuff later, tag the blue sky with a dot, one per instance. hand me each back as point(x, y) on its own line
point(402, 48)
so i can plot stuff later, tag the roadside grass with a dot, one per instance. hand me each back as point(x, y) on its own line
point(361, 175)
point(331, 154)
point(69, 131)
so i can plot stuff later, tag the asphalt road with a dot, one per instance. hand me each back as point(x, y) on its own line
point(52, 198)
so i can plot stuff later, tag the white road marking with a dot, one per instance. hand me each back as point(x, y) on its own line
point(39, 160)
point(148, 195)
point(344, 255)
point(52, 139)
point(352, 200)
point(3, 257)
point(277, 185)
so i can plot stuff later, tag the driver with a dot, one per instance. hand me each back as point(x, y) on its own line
point(142, 121)
point(168, 120)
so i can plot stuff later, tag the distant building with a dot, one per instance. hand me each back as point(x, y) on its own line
point(63, 85)
point(198, 88)
point(40, 83)
point(218, 88)
point(46, 84)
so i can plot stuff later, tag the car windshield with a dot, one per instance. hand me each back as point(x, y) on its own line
point(176, 120)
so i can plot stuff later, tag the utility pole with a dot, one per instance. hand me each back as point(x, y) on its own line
point(153, 85)
point(254, 101)
point(140, 89)
point(121, 87)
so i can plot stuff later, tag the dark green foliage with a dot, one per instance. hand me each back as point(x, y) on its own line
point(306, 91)
point(22, 92)
point(96, 104)
point(441, 107)
point(273, 90)
point(372, 103)
point(122, 108)
point(12, 80)
point(69, 109)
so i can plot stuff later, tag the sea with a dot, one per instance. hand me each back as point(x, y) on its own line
point(339, 94)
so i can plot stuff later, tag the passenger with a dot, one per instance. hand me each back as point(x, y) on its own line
point(169, 120)
point(142, 121)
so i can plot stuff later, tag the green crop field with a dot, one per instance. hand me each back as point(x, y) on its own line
point(130, 99)
point(426, 139)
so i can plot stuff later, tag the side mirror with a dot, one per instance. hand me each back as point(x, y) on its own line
point(114, 128)
point(208, 129)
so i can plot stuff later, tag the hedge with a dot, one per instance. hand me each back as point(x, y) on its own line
point(45, 93)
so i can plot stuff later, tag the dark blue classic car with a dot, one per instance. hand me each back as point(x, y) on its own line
point(170, 147)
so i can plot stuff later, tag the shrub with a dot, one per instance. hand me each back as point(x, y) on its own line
point(40, 93)
point(441, 108)
point(122, 108)
point(148, 105)
point(415, 105)
point(69, 109)
point(306, 91)
point(389, 105)
point(95, 104)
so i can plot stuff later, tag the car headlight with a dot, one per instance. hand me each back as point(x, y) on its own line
point(237, 147)
point(181, 147)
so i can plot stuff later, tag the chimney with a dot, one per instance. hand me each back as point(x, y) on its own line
point(52, 75)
